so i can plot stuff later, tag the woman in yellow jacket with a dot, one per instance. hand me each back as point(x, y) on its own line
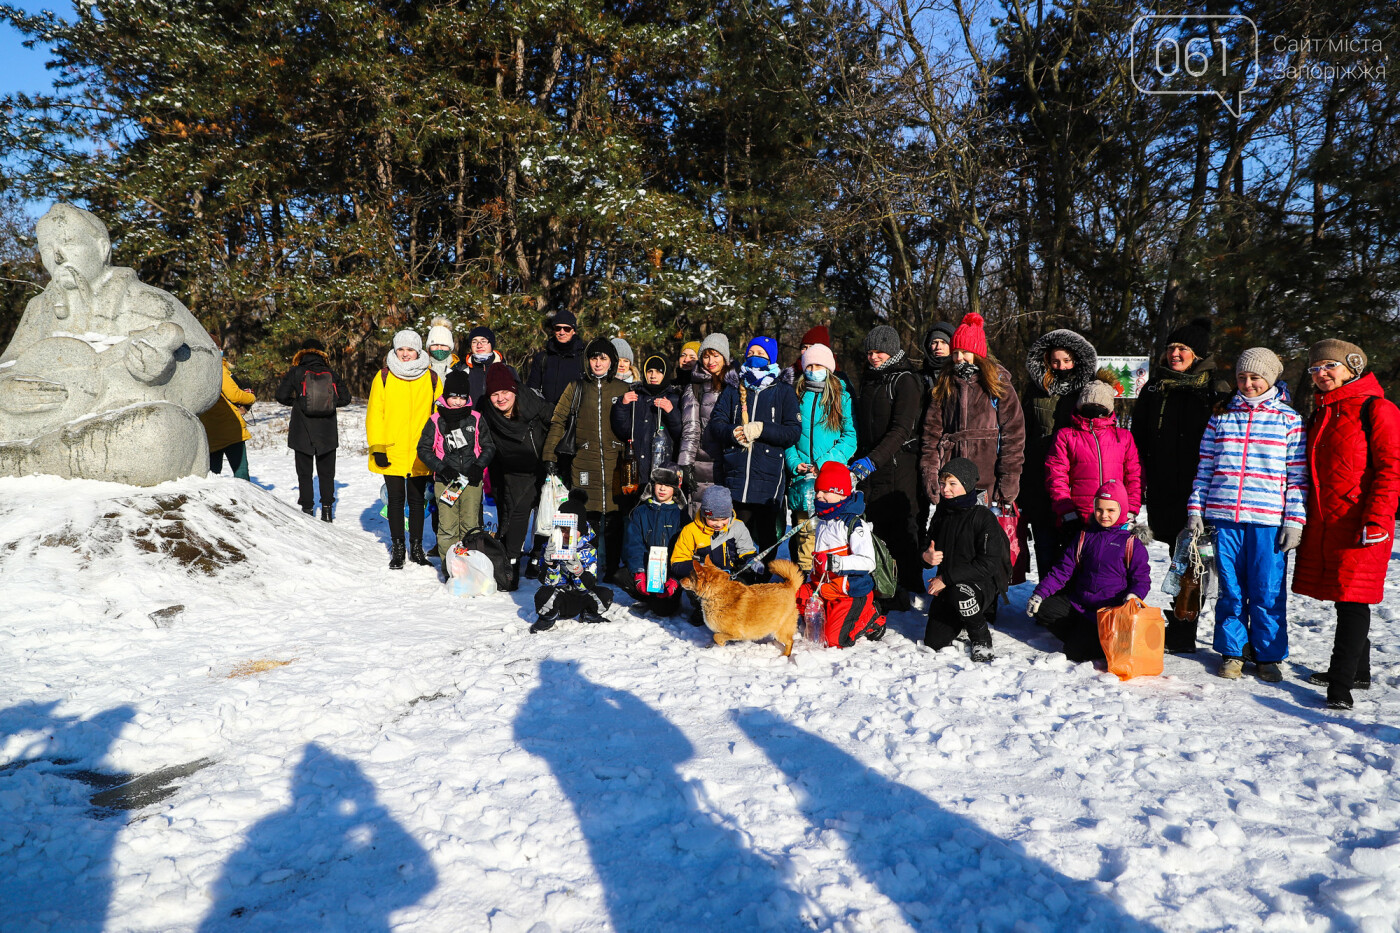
point(401, 400)
point(224, 425)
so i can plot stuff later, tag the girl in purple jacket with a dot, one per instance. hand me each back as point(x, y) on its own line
point(1088, 453)
point(1106, 566)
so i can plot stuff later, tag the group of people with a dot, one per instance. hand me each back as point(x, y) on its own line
point(712, 457)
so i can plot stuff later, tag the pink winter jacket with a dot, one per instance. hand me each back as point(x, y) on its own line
point(1085, 455)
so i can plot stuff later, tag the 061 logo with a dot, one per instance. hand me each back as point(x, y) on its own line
point(1193, 54)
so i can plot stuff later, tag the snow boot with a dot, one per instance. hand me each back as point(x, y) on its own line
point(876, 629)
point(396, 556)
point(588, 615)
point(309, 509)
point(513, 576)
point(1322, 679)
point(545, 621)
point(416, 555)
point(983, 654)
point(1270, 673)
point(1337, 701)
point(327, 515)
point(1231, 668)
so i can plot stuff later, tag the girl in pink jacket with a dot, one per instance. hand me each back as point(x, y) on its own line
point(1090, 452)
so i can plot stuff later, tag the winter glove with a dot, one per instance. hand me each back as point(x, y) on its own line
point(1195, 524)
point(862, 468)
point(752, 430)
point(550, 469)
point(1290, 536)
point(1132, 596)
point(1033, 606)
point(687, 479)
point(574, 568)
point(474, 474)
point(833, 565)
point(671, 587)
point(639, 581)
point(446, 475)
point(1371, 534)
point(381, 460)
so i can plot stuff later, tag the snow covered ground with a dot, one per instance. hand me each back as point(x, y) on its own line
point(325, 744)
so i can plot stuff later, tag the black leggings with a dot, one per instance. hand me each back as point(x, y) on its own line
point(516, 494)
point(416, 488)
point(1351, 650)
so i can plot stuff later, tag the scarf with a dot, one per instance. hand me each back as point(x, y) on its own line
point(892, 360)
point(854, 504)
point(965, 371)
point(450, 418)
point(407, 371)
point(756, 377)
point(1259, 399)
point(1062, 382)
point(965, 501)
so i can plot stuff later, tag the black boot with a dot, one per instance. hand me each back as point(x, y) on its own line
point(396, 556)
point(545, 621)
point(309, 509)
point(327, 515)
point(536, 558)
point(513, 577)
point(416, 555)
point(1323, 679)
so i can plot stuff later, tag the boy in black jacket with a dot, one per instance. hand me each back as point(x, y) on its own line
point(973, 558)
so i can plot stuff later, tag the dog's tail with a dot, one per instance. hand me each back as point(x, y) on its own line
point(788, 571)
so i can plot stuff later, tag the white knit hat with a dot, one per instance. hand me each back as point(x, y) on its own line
point(1097, 392)
point(408, 338)
point(440, 333)
point(1261, 362)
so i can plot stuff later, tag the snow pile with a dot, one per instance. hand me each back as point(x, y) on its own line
point(313, 741)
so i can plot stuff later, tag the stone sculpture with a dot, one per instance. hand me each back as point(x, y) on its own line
point(105, 376)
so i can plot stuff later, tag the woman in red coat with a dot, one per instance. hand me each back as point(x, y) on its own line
point(1354, 462)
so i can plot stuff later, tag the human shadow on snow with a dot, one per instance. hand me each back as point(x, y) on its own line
point(333, 857)
point(665, 863)
point(59, 874)
point(943, 871)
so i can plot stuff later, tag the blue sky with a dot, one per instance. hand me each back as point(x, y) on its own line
point(23, 69)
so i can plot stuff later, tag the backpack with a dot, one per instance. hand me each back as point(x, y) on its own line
point(1127, 549)
point(318, 393)
point(478, 539)
point(384, 378)
point(886, 573)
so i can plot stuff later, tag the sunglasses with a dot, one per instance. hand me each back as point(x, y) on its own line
point(1323, 367)
point(563, 329)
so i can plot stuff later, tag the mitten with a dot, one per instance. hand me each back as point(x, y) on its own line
point(752, 430)
point(474, 474)
point(1289, 536)
point(381, 460)
point(862, 468)
point(1033, 606)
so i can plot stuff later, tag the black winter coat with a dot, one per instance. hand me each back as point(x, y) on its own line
point(519, 441)
point(461, 432)
point(640, 421)
point(310, 434)
point(1169, 419)
point(975, 549)
point(557, 366)
point(888, 416)
point(476, 377)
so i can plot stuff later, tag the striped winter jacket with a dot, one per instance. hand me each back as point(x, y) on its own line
point(1254, 464)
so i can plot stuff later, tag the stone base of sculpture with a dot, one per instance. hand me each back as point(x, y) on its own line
point(144, 445)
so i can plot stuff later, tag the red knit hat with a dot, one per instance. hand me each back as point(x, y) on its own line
point(970, 335)
point(834, 477)
point(500, 378)
point(818, 334)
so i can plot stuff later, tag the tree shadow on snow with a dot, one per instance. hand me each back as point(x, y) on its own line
point(663, 861)
point(334, 852)
point(58, 875)
point(942, 870)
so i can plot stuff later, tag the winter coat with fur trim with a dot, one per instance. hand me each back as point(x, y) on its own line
point(1084, 456)
point(309, 434)
point(1355, 482)
point(1048, 410)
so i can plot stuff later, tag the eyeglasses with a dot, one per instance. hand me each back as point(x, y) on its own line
point(1323, 367)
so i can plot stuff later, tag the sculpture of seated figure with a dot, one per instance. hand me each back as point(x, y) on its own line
point(105, 376)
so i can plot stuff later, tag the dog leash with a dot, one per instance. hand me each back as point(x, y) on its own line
point(757, 560)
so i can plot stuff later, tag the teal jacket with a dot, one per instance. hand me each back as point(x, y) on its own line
point(817, 444)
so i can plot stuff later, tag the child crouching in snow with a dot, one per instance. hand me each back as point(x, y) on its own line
point(569, 588)
point(973, 557)
point(842, 562)
point(1252, 485)
point(1105, 567)
point(656, 522)
point(715, 535)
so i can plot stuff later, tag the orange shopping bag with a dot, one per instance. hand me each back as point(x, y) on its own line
point(1132, 636)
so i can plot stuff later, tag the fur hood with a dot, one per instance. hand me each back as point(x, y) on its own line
point(1086, 360)
point(301, 355)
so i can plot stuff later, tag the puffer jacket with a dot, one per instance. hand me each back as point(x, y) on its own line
point(1046, 411)
point(394, 419)
point(975, 549)
point(454, 441)
point(817, 443)
point(1254, 464)
point(223, 422)
point(651, 524)
point(699, 451)
point(1102, 575)
point(595, 464)
point(755, 474)
point(728, 549)
point(989, 432)
point(476, 374)
point(556, 367)
point(1084, 456)
point(1355, 482)
point(1169, 419)
point(520, 440)
point(310, 434)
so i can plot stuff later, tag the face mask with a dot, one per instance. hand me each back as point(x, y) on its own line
point(816, 374)
point(756, 362)
point(965, 371)
point(439, 355)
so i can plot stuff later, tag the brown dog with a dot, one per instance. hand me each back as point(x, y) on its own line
point(735, 612)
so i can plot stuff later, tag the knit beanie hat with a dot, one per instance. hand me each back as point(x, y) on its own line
point(691, 345)
point(882, 339)
point(563, 317)
point(767, 344)
point(941, 330)
point(1339, 350)
point(457, 383)
point(486, 332)
point(819, 354)
point(1195, 335)
point(717, 342)
point(657, 363)
point(970, 336)
point(601, 346)
point(408, 338)
point(1262, 362)
point(834, 477)
point(964, 470)
point(717, 502)
point(501, 378)
point(440, 332)
point(1112, 489)
point(1097, 392)
point(624, 350)
point(818, 334)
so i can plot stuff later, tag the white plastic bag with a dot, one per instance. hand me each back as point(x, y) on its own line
point(551, 497)
point(471, 572)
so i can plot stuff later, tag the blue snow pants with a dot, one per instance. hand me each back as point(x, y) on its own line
point(1253, 603)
